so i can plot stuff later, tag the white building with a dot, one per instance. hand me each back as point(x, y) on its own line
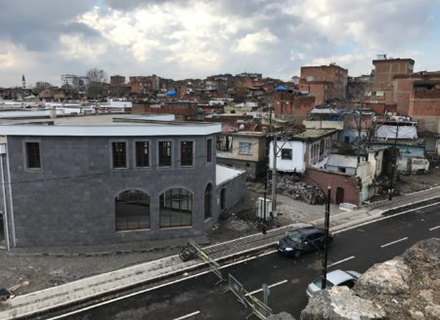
point(308, 149)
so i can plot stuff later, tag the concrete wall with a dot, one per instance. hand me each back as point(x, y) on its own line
point(324, 179)
point(298, 161)
point(234, 192)
point(254, 170)
point(71, 200)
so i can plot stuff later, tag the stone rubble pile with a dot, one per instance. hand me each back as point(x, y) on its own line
point(297, 190)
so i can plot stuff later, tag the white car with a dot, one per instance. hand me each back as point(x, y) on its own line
point(334, 278)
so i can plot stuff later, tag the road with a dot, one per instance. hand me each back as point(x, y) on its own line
point(199, 298)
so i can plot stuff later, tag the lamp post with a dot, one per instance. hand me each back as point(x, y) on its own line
point(390, 190)
point(326, 228)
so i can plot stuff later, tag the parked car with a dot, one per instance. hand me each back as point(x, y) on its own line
point(303, 240)
point(334, 278)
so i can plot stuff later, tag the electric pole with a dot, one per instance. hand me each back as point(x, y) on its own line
point(390, 190)
point(326, 227)
point(274, 175)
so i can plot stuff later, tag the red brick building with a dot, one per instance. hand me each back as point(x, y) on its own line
point(144, 85)
point(287, 104)
point(117, 80)
point(324, 82)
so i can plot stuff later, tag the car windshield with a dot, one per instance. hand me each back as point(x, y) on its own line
point(318, 283)
point(295, 236)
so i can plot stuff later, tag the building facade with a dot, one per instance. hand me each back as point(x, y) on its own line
point(102, 184)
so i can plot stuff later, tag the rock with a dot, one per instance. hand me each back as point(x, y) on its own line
point(281, 316)
point(390, 277)
point(425, 252)
point(340, 303)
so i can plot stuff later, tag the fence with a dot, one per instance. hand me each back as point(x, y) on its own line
point(213, 265)
point(259, 309)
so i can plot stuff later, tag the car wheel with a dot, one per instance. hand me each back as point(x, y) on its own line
point(297, 254)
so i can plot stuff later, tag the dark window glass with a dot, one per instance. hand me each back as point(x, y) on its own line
point(175, 208)
point(119, 155)
point(186, 153)
point(164, 153)
point(33, 155)
point(208, 201)
point(223, 199)
point(286, 154)
point(132, 210)
point(209, 150)
point(142, 154)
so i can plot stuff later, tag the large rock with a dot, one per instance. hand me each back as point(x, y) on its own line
point(424, 252)
point(340, 303)
point(390, 277)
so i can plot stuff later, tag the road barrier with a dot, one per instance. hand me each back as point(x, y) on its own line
point(259, 308)
point(213, 265)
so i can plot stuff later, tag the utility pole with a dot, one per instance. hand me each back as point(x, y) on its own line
point(274, 175)
point(359, 135)
point(390, 190)
point(326, 228)
point(264, 227)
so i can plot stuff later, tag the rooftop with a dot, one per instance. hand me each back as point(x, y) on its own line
point(224, 174)
point(311, 134)
point(341, 160)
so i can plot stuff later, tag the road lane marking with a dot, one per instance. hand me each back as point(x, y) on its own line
point(188, 315)
point(261, 289)
point(388, 244)
point(341, 261)
point(434, 228)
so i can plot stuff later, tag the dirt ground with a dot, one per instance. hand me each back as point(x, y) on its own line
point(413, 183)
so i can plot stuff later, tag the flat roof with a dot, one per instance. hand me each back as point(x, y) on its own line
point(224, 174)
point(313, 134)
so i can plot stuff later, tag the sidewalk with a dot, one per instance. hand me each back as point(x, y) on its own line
point(110, 283)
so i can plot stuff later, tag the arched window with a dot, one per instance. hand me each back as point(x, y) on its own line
point(208, 201)
point(176, 208)
point(132, 210)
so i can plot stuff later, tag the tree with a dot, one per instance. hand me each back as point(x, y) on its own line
point(97, 83)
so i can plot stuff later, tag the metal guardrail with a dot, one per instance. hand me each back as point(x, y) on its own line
point(214, 266)
point(259, 308)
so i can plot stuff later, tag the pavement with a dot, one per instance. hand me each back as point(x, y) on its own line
point(111, 283)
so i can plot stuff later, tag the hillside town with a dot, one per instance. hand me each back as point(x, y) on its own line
point(97, 166)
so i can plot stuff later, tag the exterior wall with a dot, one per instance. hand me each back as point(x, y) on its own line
point(71, 200)
point(182, 109)
point(254, 170)
point(321, 91)
point(332, 73)
point(257, 149)
point(234, 192)
point(323, 124)
point(286, 104)
point(425, 108)
point(324, 179)
point(297, 164)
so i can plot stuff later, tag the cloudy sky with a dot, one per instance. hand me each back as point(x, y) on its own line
point(195, 38)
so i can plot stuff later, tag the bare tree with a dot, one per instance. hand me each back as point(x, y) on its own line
point(97, 83)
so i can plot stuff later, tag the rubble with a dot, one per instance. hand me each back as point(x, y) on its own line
point(288, 185)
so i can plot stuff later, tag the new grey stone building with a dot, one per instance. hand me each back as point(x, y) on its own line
point(99, 184)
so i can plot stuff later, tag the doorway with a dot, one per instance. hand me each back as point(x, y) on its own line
point(339, 195)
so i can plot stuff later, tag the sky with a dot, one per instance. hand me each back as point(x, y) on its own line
point(179, 39)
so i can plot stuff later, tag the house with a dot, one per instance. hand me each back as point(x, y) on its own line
point(77, 182)
point(310, 148)
point(244, 150)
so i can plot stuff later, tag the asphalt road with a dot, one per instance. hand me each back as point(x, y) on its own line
point(356, 249)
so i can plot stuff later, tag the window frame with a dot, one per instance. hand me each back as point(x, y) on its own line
point(26, 157)
point(291, 154)
point(209, 155)
point(240, 151)
point(208, 207)
point(112, 157)
point(163, 196)
point(135, 154)
point(158, 152)
point(193, 153)
point(149, 211)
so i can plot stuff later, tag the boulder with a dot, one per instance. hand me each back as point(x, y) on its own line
point(281, 316)
point(340, 303)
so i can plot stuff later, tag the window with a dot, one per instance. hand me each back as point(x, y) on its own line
point(176, 208)
point(33, 160)
point(223, 199)
point(132, 210)
point(142, 154)
point(119, 155)
point(209, 150)
point(208, 201)
point(186, 153)
point(164, 153)
point(286, 154)
point(244, 148)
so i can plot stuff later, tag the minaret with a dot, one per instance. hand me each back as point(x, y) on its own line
point(23, 82)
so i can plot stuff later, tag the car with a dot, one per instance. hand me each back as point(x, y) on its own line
point(334, 278)
point(303, 240)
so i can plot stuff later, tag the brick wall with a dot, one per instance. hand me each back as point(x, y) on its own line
point(334, 180)
point(288, 104)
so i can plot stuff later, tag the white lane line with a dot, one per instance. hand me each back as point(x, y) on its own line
point(261, 289)
point(188, 315)
point(158, 286)
point(434, 228)
point(388, 244)
point(341, 261)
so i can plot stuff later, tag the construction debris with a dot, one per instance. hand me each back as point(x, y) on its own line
point(297, 190)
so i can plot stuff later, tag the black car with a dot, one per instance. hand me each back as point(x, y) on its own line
point(303, 240)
